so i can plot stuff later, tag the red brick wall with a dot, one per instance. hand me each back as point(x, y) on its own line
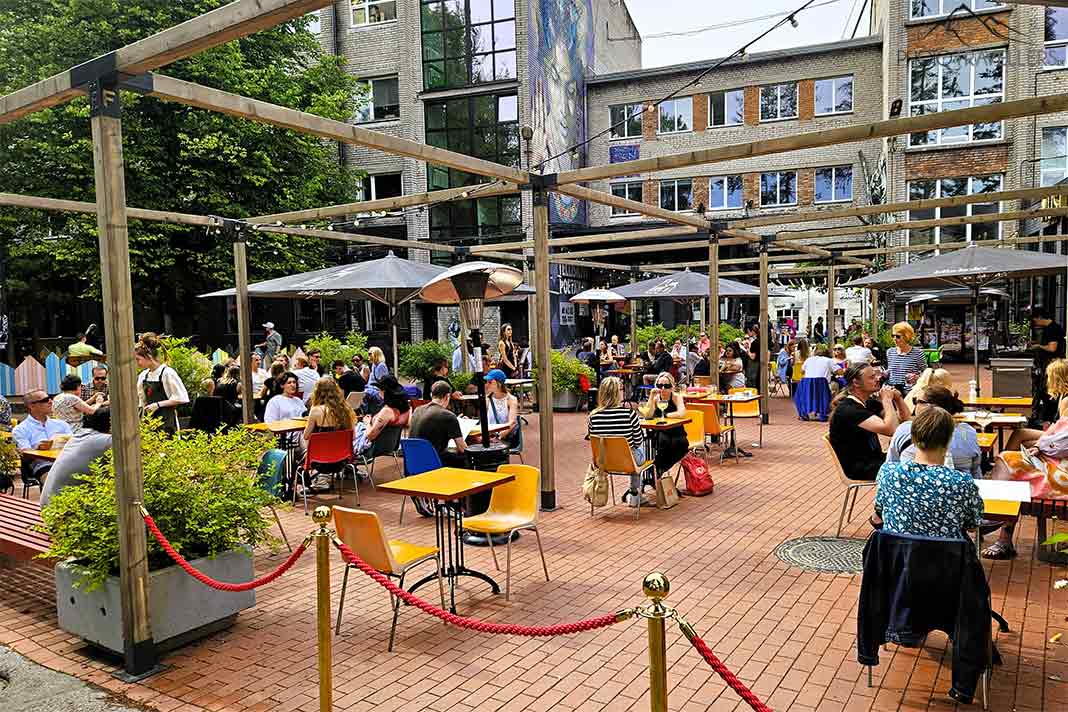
point(961, 32)
point(806, 186)
point(700, 112)
point(806, 99)
point(752, 106)
point(651, 192)
point(700, 190)
point(965, 161)
point(751, 187)
point(649, 122)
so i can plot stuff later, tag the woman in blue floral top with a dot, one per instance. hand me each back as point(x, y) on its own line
point(925, 497)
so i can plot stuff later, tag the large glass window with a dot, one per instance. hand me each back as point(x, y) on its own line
point(724, 192)
point(935, 8)
point(1054, 155)
point(381, 101)
point(631, 190)
point(467, 42)
point(676, 115)
point(778, 101)
point(626, 120)
point(834, 95)
point(485, 126)
point(382, 185)
point(951, 188)
point(778, 188)
point(315, 315)
point(726, 108)
point(956, 81)
point(676, 194)
point(834, 184)
point(370, 12)
point(1056, 35)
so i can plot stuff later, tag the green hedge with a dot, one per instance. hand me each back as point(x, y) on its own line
point(683, 333)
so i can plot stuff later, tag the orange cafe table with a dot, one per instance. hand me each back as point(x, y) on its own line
point(447, 486)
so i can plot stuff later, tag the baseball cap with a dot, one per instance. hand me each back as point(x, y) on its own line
point(496, 374)
point(268, 325)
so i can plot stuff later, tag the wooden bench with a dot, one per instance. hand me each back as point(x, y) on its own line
point(1041, 510)
point(17, 540)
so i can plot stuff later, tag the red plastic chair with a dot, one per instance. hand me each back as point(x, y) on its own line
point(587, 391)
point(327, 448)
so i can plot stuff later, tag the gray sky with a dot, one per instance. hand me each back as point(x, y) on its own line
point(815, 25)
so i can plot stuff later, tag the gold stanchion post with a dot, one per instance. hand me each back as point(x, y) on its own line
point(656, 587)
point(323, 537)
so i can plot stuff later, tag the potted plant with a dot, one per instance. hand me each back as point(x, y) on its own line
point(566, 371)
point(205, 495)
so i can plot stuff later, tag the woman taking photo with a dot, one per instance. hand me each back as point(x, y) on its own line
point(611, 420)
point(502, 407)
point(328, 413)
point(160, 390)
point(671, 444)
point(506, 352)
point(904, 362)
point(68, 406)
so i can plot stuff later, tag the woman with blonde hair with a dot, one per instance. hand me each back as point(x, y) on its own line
point(379, 369)
point(328, 413)
point(611, 419)
point(159, 387)
point(671, 444)
point(930, 377)
point(904, 362)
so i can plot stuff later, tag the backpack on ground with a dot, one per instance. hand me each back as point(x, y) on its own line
point(695, 472)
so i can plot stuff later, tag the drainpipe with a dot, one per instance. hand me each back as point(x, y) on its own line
point(341, 147)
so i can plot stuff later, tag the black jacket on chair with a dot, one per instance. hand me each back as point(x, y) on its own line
point(913, 585)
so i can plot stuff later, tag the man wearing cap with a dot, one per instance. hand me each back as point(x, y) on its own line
point(272, 344)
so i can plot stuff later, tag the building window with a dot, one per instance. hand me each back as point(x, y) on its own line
point(315, 315)
point(950, 188)
point(371, 12)
point(726, 108)
point(467, 42)
point(778, 101)
point(936, 8)
point(381, 101)
point(1056, 38)
point(779, 188)
point(383, 185)
point(1054, 163)
point(834, 95)
point(956, 81)
point(626, 120)
point(676, 115)
point(676, 194)
point(724, 192)
point(631, 190)
point(834, 184)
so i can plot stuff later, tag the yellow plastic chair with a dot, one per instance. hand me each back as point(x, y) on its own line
point(363, 533)
point(695, 430)
point(748, 410)
point(614, 457)
point(712, 425)
point(851, 485)
point(513, 506)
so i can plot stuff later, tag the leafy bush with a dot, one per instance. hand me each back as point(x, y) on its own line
point(332, 348)
point(728, 333)
point(459, 380)
point(201, 489)
point(566, 370)
point(880, 331)
point(191, 365)
point(416, 360)
point(684, 333)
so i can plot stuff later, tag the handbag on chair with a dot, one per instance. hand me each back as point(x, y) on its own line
point(595, 487)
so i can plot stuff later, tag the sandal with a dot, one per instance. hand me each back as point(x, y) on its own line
point(999, 551)
point(874, 523)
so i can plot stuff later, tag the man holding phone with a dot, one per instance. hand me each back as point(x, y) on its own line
point(36, 433)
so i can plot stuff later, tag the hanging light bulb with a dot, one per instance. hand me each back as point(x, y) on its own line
point(793, 21)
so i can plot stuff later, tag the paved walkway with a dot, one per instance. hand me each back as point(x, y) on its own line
point(26, 686)
point(788, 633)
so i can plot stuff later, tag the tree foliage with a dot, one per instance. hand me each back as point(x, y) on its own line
point(177, 158)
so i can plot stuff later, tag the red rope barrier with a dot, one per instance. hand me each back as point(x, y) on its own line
point(470, 623)
point(716, 664)
point(207, 580)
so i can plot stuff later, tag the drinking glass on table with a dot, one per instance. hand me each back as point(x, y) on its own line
point(662, 394)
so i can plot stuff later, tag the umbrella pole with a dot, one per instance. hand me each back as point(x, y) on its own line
point(393, 319)
point(975, 337)
point(713, 305)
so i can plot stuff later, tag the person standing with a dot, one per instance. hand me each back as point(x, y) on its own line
point(159, 387)
point(904, 362)
point(817, 331)
point(1047, 346)
point(81, 351)
point(272, 343)
point(506, 352)
point(753, 363)
point(379, 369)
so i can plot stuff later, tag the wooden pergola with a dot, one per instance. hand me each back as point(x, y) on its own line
point(132, 68)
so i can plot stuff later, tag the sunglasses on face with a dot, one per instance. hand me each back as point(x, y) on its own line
point(922, 402)
point(663, 385)
point(100, 378)
point(898, 336)
point(46, 399)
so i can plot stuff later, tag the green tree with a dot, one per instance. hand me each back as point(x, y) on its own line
point(177, 158)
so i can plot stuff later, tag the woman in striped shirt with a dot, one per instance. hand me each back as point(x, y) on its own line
point(611, 419)
point(904, 362)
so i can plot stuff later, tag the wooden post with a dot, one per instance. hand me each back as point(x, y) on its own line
point(139, 651)
point(875, 314)
point(765, 335)
point(830, 305)
point(532, 303)
point(713, 304)
point(635, 307)
point(704, 315)
point(244, 332)
point(544, 346)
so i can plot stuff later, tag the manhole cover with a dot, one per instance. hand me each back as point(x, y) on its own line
point(824, 553)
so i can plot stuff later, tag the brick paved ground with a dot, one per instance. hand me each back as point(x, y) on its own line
point(788, 633)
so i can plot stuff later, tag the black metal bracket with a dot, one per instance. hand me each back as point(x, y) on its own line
point(835, 254)
point(540, 182)
point(234, 230)
point(765, 240)
point(715, 227)
point(102, 80)
point(540, 198)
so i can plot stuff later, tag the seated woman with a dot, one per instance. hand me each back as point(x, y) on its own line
point(502, 407)
point(964, 447)
point(813, 396)
point(610, 419)
point(731, 369)
point(228, 388)
point(784, 364)
point(671, 444)
point(929, 377)
point(838, 366)
point(328, 413)
point(924, 497)
point(68, 406)
point(395, 411)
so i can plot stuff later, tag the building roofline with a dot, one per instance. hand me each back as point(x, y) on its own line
point(754, 58)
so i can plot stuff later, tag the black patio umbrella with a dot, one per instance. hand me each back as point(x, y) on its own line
point(686, 286)
point(972, 268)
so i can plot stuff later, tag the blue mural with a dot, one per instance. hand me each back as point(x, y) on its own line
point(621, 154)
point(561, 42)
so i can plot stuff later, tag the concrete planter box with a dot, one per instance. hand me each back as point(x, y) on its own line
point(181, 608)
point(565, 400)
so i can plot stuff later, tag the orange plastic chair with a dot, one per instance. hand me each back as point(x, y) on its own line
point(749, 410)
point(614, 457)
point(363, 533)
point(513, 506)
point(713, 427)
point(327, 448)
point(695, 430)
point(702, 380)
point(851, 485)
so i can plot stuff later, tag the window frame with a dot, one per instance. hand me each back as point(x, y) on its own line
point(626, 185)
point(367, 4)
point(936, 236)
point(778, 102)
point(640, 115)
point(724, 93)
point(1049, 44)
point(675, 114)
point(778, 189)
point(675, 182)
point(952, 5)
point(834, 175)
point(1063, 158)
point(971, 98)
point(834, 95)
point(371, 86)
point(503, 58)
point(726, 192)
point(372, 179)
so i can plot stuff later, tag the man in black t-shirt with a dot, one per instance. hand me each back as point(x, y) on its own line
point(348, 381)
point(859, 417)
point(436, 423)
point(1047, 346)
point(438, 372)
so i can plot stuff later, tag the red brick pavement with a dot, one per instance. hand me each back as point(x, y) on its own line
point(788, 633)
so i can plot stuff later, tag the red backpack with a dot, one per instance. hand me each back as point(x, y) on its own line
point(695, 471)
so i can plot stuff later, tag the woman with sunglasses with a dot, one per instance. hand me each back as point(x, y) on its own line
point(671, 444)
point(963, 447)
point(904, 362)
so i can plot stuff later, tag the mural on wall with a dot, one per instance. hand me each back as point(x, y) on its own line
point(561, 51)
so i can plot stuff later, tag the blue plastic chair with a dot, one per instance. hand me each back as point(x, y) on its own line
point(272, 474)
point(419, 457)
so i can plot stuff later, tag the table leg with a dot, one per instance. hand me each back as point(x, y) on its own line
point(448, 522)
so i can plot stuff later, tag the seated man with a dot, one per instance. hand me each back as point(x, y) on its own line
point(349, 380)
point(306, 378)
point(438, 372)
point(661, 362)
point(858, 418)
point(439, 425)
point(35, 430)
point(87, 445)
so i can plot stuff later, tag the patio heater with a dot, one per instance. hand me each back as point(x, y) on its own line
point(597, 299)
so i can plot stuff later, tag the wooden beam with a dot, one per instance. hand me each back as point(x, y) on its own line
point(624, 236)
point(230, 22)
point(817, 139)
point(77, 206)
point(607, 266)
point(807, 249)
point(638, 249)
point(190, 94)
point(483, 190)
point(543, 341)
point(653, 211)
point(819, 215)
point(788, 270)
point(355, 237)
point(1005, 242)
point(244, 328)
point(921, 224)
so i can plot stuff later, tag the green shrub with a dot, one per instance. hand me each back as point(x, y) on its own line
point(201, 489)
point(416, 360)
point(459, 380)
point(333, 349)
point(191, 365)
point(566, 370)
point(728, 333)
point(880, 331)
point(683, 333)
